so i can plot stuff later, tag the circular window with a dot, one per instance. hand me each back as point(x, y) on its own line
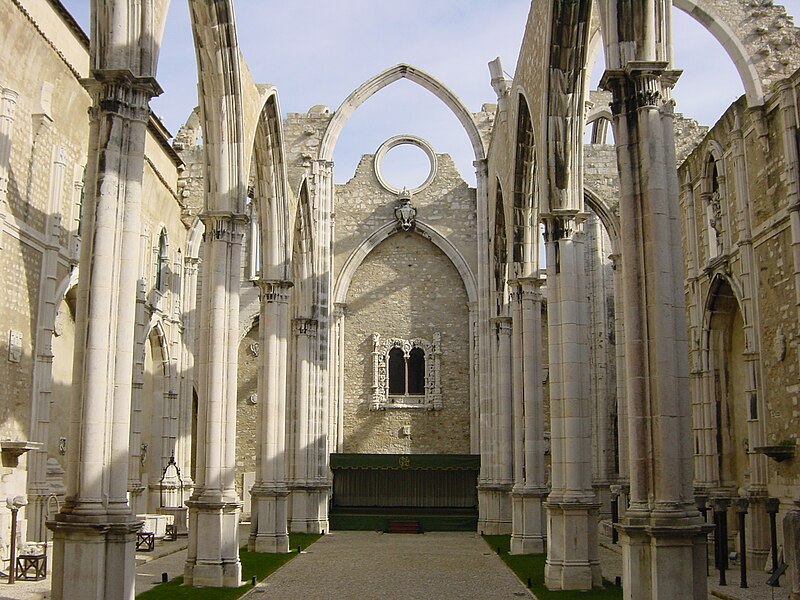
point(400, 164)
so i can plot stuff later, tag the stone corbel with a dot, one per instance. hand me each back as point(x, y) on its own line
point(11, 451)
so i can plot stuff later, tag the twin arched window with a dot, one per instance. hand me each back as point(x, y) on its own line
point(406, 373)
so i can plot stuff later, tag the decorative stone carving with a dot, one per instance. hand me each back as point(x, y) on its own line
point(780, 345)
point(405, 213)
point(381, 398)
point(14, 346)
point(252, 398)
point(254, 348)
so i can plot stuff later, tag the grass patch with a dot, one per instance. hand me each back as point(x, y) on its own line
point(531, 567)
point(253, 564)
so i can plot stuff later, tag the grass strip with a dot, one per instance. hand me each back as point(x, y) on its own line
point(530, 568)
point(255, 564)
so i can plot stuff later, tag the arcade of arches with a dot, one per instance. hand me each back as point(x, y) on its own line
point(209, 328)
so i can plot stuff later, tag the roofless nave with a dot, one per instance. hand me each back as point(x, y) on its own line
point(300, 350)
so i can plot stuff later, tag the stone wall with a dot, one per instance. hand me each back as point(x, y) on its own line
point(759, 268)
point(247, 407)
point(407, 288)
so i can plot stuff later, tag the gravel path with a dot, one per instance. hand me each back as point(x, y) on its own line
point(367, 565)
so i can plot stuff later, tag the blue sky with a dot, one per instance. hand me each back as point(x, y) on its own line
point(318, 52)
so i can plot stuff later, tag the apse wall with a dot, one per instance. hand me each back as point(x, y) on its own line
point(405, 288)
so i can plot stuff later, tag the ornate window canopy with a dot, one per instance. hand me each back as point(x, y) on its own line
point(413, 379)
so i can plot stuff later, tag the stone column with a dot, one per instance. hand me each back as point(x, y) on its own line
point(213, 553)
point(183, 449)
point(336, 435)
point(572, 560)
point(791, 544)
point(268, 530)
point(8, 106)
point(309, 495)
point(528, 534)
point(497, 489)
point(485, 401)
point(94, 534)
point(38, 486)
point(622, 404)
point(662, 536)
point(602, 375)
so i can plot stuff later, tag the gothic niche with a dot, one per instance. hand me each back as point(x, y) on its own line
point(406, 373)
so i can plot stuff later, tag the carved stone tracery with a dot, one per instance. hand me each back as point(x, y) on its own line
point(381, 398)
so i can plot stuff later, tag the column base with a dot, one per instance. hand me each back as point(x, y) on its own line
point(660, 561)
point(213, 554)
point(494, 501)
point(757, 531)
point(528, 529)
point(572, 554)
point(268, 531)
point(309, 509)
point(791, 546)
point(93, 558)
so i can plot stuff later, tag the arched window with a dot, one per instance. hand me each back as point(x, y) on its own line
point(162, 262)
point(406, 373)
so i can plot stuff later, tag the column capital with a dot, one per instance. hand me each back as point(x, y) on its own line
point(274, 290)
point(641, 84)
point(9, 103)
point(304, 326)
point(322, 166)
point(224, 225)
point(120, 92)
point(339, 309)
point(502, 324)
point(527, 289)
point(562, 224)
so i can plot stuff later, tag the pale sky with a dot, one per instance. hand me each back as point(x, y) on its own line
point(318, 52)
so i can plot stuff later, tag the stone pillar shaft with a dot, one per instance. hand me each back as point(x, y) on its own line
point(661, 534)
point(308, 485)
point(572, 561)
point(94, 533)
point(337, 421)
point(268, 532)
point(528, 533)
point(38, 486)
point(213, 553)
point(503, 401)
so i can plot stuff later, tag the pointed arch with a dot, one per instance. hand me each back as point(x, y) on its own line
point(733, 45)
point(303, 271)
point(358, 255)
point(221, 106)
point(606, 214)
point(719, 282)
point(525, 248)
point(500, 250)
point(386, 78)
point(270, 190)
